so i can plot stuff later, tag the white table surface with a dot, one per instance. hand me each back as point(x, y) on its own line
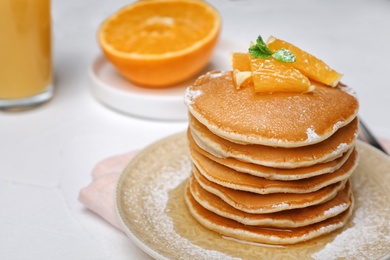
point(47, 154)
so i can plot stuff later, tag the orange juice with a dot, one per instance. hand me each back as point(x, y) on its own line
point(25, 48)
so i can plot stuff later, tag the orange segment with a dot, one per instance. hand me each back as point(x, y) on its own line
point(308, 64)
point(242, 72)
point(240, 61)
point(242, 78)
point(158, 43)
point(270, 75)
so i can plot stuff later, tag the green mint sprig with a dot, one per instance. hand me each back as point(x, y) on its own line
point(261, 50)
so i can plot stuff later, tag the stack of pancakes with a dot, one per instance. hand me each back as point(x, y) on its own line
point(270, 168)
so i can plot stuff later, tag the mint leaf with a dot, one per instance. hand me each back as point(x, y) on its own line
point(261, 50)
point(284, 55)
point(262, 46)
point(256, 52)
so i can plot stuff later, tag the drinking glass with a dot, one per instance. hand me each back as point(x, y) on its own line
point(25, 53)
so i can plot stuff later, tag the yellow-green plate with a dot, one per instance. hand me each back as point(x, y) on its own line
point(150, 205)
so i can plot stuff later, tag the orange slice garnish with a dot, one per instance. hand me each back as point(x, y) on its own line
point(270, 75)
point(312, 67)
point(267, 75)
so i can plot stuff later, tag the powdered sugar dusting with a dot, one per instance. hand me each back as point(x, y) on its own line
point(369, 229)
point(330, 228)
point(350, 242)
point(215, 74)
point(336, 210)
point(312, 136)
point(156, 203)
point(190, 96)
point(338, 125)
point(280, 205)
point(349, 91)
point(146, 203)
point(340, 148)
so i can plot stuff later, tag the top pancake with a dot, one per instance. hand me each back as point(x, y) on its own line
point(278, 119)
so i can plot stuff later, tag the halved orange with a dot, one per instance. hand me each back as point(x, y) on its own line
point(308, 64)
point(159, 43)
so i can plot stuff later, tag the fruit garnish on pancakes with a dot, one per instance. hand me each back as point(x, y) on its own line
point(279, 66)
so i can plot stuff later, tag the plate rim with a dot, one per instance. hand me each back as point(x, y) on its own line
point(133, 103)
point(148, 250)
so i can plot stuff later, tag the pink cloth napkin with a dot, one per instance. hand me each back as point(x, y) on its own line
point(98, 196)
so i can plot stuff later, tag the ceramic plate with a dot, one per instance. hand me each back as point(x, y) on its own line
point(116, 92)
point(150, 205)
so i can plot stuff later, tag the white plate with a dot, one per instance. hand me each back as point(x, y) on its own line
point(113, 90)
point(150, 205)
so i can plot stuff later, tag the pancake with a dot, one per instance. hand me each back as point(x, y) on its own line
point(267, 203)
point(276, 157)
point(233, 179)
point(270, 172)
point(270, 168)
point(288, 218)
point(280, 120)
point(278, 236)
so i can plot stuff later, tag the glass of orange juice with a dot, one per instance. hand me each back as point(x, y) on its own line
point(25, 53)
